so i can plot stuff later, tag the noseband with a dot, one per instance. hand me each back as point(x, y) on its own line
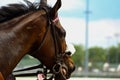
point(58, 48)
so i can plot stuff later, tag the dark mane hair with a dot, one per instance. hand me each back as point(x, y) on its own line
point(14, 10)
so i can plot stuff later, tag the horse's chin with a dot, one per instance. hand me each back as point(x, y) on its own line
point(64, 74)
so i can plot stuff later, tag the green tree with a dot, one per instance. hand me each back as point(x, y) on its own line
point(114, 54)
point(97, 56)
point(78, 57)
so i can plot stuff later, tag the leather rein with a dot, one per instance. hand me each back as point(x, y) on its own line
point(58, 48)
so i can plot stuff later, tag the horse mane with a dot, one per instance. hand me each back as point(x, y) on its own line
point(14, 10)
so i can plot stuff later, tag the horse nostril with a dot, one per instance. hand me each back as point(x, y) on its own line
point(70, 48)
point(69, 53)
point(72, 69)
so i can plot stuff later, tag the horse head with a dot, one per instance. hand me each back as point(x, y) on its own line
point(34, 29)
point(53, 47)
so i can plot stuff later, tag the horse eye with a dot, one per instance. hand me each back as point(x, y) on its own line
point(64, 34)
point(61, 32)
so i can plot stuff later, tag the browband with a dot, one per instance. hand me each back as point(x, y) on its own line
point(56, 19)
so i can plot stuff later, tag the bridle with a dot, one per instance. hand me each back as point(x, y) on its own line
point(58, 48)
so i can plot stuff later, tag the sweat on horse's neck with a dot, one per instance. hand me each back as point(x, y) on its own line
point(15, 42)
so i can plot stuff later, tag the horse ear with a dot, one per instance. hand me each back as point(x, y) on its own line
point(55, 9)
point(43, 2)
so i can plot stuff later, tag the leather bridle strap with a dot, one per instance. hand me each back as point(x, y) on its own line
point(58, 47)
point(50, 25)
point(44, 37)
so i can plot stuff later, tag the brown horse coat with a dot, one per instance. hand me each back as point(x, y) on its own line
point(22, 29)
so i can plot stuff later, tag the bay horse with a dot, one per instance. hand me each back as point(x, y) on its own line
point(35, 29)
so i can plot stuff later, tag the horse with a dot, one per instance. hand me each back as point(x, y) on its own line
point(34, 29)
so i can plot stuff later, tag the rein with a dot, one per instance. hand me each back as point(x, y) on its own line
point(58, 51)
point(58, 47)
point(44, 37)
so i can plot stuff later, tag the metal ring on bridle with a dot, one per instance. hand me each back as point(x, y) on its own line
point(56, 68)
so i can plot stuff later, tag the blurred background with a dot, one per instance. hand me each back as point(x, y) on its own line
point(93, 27)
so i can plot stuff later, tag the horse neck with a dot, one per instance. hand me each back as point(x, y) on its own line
point(15, 42)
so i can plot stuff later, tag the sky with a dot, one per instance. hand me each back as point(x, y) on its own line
point(103, 26)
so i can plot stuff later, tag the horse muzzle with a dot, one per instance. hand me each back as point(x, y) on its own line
point(62, 72)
